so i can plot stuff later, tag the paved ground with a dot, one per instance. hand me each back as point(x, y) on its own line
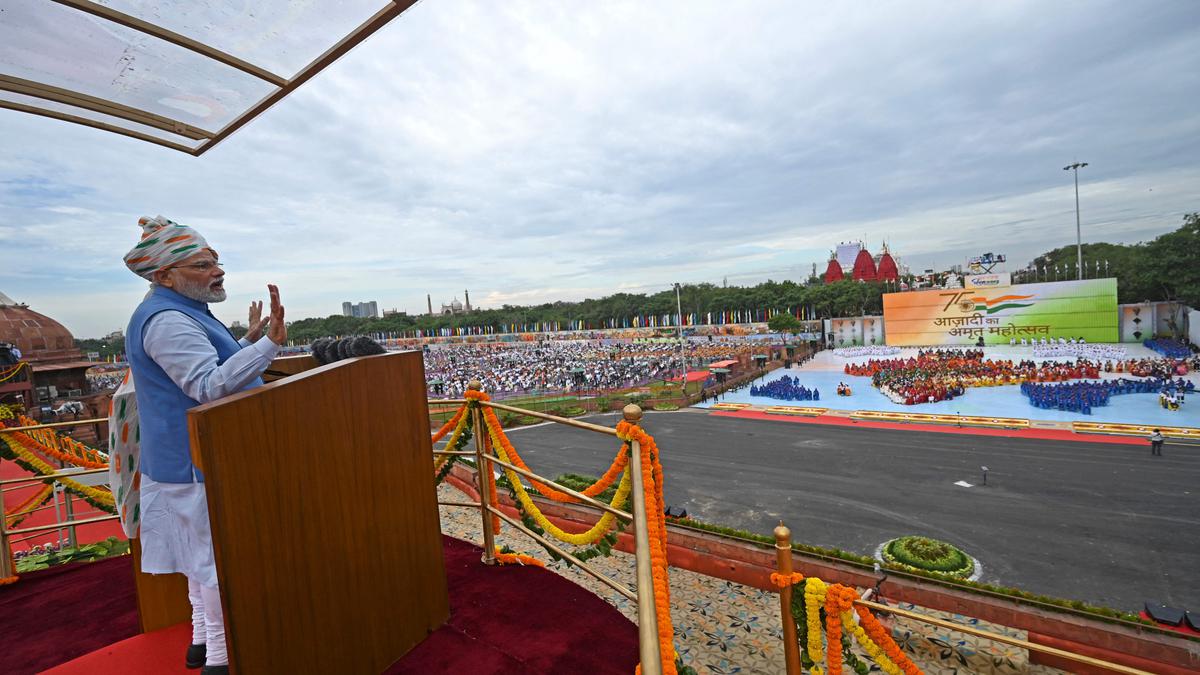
point(1104, 523)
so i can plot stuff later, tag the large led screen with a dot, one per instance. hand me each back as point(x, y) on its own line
point(1069, 309)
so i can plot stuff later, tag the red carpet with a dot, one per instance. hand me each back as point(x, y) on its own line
point(517, 619)
point(503, 620)
point(1044, 434)
point(58, 614)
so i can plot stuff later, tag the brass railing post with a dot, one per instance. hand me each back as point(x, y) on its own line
point(482, 465)
point(783, 555)
point(6, 566)
point(647, 613)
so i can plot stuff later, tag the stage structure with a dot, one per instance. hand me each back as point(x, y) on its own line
point(992, 309)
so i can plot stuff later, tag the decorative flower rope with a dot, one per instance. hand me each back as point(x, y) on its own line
point(505, 556)
point(656, 529)
point(12, 372)
point(52, 444)
point(590, 536)
point(548, 491)
point(453, 423)
point(29, 506)
point(837, 600)
point(101, 499)
point(782, 581)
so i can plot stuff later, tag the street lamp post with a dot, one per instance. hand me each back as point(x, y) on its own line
point(682, 351)
point(1078, 238)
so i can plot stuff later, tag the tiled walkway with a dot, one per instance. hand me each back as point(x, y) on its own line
point(724, 628)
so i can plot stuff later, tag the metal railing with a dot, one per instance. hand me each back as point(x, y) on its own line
point(791, 646)
point(7, 568)
point(648, 644)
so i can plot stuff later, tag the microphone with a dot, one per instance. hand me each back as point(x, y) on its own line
point(326, 350)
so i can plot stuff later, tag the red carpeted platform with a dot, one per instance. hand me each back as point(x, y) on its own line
point(58, 614)
point(502, 620)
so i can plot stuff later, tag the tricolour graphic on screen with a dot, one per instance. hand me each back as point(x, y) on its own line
point(1069, 309)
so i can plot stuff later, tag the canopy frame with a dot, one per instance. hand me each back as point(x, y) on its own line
point(185, 132)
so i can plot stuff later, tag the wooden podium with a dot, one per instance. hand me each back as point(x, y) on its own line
point(324, 517)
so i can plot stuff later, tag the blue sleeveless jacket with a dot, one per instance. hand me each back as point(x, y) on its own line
point(162, 405)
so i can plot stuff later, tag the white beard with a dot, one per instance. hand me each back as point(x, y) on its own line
point(200, 292)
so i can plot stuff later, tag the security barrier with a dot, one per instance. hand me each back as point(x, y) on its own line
point(1134, 430)
point(795, 410)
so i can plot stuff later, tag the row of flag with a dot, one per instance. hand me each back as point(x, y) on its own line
point(803, 313)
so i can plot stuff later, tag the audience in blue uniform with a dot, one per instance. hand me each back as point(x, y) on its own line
point(786, 388)
point(1081, 397)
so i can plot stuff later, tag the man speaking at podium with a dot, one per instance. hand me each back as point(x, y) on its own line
point(181, 356)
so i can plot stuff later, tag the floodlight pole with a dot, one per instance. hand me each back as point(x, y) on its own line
point(1078, 238)
point(682, 352)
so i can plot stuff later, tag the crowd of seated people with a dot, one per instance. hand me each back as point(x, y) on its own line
point(786, 388)
point(1081, 397)
point(1172, 349)
point(516, 367)
point(1095, 352)
point(1160, 368)
point(938, 375)
point(866, 350)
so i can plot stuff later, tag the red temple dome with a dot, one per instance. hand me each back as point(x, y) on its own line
point(864, 266)
point(834, 271)
point(887, 267)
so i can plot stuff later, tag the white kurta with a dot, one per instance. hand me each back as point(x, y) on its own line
point(175, 531)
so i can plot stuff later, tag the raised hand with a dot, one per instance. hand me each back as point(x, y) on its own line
point(256, 322)
point(276, 330)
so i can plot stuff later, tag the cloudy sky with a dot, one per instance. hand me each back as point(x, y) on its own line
point(535, 151)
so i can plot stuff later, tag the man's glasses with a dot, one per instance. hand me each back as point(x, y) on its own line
point(203, 266)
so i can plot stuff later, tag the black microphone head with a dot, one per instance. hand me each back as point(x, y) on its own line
point(365, 346)
point(330, 351)
point(343, 348)
point(318, 350)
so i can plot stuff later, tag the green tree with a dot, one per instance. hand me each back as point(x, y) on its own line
point(785, 323)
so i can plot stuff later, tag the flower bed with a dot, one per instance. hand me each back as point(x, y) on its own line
point(929, 555)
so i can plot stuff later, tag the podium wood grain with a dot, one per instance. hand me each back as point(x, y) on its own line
point(162, 598)
point(324, 517)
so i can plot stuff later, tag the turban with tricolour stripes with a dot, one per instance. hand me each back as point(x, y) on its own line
point(164, 242)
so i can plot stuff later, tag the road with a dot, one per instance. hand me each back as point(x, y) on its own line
point(1103, 523)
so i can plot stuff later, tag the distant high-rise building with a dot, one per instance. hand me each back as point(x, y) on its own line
point(361, 310)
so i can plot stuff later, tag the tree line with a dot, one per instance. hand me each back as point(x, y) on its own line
point(1166, 268)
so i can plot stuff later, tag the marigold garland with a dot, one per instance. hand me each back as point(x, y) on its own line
point(452, 423)
point(50, 444)
point(592, 535)
point(29, 505)
point(507, 557)
point(656, 529)
point(838, 602)
point(548, 491)
point(102, 499)
point(460, 423)
point(880, 636)
point(783, 581)
point(491, 484)
point(12, 372)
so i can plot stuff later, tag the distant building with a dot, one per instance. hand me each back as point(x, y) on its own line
point(361, 310)
point(852, 260)
point(393, 312)
point(454, 308)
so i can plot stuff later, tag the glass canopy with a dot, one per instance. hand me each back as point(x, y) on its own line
point(182, 74)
